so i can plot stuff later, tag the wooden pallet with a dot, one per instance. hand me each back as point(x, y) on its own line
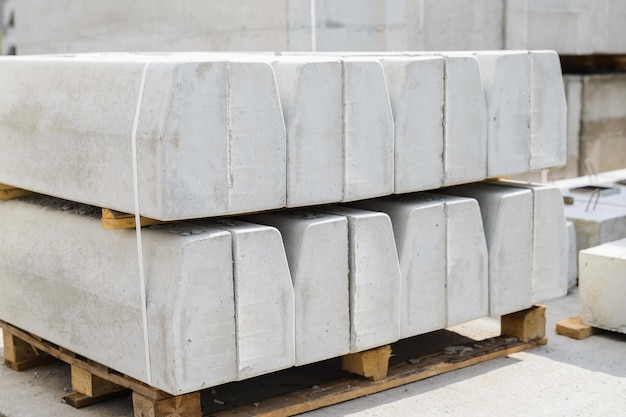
point(111, 219)
point(295, 390)
point(575, 328)
point(8, 192)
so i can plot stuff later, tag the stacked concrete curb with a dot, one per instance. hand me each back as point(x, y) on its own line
point(296, 280)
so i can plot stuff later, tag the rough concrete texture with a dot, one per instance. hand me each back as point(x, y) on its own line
point(505, 212)
point(205, 145)
point(368, 130)
point(598, 208)
point(596, 223)
point(465, 137)
point(419, 227)
point(416, 91)
point(264, 298)
point(549, 241)
point(602, 271)
point(573, 96)
point(310, 92)
point(467, 284)
point(317, 251)
point(506, 81)
point(570, 27)
point(84, 292)
point(188, 25)
point(548, 112)
point(603, 123)
point(374, 278)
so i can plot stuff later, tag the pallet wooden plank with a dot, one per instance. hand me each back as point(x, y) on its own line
point(114, 220)
point(78, 400)
point(574, 328)
point(350, 388)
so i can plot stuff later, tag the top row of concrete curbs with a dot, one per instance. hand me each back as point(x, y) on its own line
point(567, 26)
point(222, 134)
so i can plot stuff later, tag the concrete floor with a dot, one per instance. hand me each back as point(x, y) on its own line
point(564, 378)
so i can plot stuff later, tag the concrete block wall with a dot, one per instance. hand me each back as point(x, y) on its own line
point(567, 26)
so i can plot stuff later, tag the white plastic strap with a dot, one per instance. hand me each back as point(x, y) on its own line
point(142, 278)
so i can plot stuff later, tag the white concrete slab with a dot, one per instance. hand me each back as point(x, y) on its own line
point(416, 91)
point(419, 227)
point(602, 272)
point(548, 112)
point(603, 123)
point(205, 145)
point(505, 212)
point(318, 254)
point(368, 130)
point(506, 80)
point(568, 27)
point(596, 223)
point(264, 298)
point(310, 92)
point(456, 25)
point(465, 137)
point(374, 278)
point(549, 241)
point(82, 292)
point(157, 25)
point(467, 260)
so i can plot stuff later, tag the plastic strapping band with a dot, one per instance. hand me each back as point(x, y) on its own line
point(142, 278)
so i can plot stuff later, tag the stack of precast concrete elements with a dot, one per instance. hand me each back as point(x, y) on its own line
point(324, 158)
point(567, 26)
point(573, 28)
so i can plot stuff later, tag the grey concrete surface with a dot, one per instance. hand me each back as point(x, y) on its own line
point(564, 378)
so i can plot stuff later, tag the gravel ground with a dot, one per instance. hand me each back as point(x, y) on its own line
point(564, 378)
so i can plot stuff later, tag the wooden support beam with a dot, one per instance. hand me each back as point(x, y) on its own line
point(8, 192)
point(371, 364)
point(20, 355)
point(186, 405)
point(526, 325)
point(113, 220)
point(575, 328)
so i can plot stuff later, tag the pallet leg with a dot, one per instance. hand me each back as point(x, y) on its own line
point(526, 325)
point(20, 356)
point(90, 389)
point(371, 364)
point(186, 405)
